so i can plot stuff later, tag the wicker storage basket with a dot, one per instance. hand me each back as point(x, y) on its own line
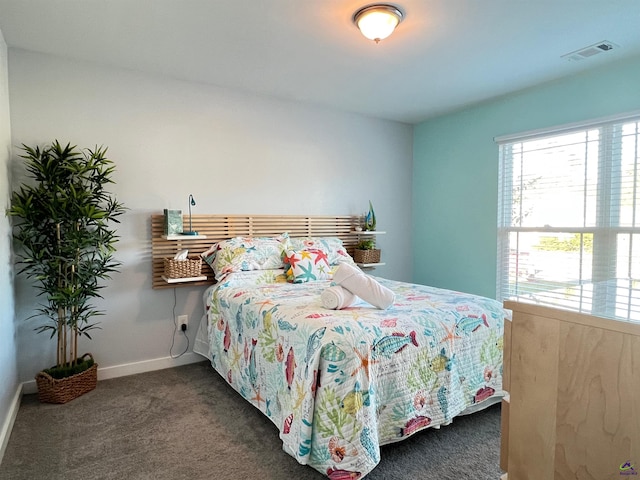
point(182, 268)
point(63, 390)
point(367, 256)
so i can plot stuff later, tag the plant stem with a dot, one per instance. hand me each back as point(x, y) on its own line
point(74, 318)
point(62, 339)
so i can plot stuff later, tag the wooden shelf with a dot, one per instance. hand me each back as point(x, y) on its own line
point(370, 265)
point(184, 280)
point(183, 237)
point(215, 228)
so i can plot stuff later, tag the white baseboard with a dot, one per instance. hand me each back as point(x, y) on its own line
point(132, 368)
point(5, 432)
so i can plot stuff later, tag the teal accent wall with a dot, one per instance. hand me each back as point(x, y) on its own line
point(455, 169)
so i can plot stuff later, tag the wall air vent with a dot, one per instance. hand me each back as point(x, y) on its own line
point(590, 51)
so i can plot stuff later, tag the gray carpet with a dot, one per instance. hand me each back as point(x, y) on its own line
point(187, 423)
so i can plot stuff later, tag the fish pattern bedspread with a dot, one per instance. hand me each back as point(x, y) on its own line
point(338, 384)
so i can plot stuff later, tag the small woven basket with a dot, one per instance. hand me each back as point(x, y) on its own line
point(63, 390)
point(182, 268)
point(367, 256)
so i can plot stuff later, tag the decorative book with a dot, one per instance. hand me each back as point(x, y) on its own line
point(172, 222)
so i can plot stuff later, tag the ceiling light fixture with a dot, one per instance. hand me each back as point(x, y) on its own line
point(377, 22)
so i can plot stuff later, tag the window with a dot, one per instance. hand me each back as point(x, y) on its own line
point(569, 218)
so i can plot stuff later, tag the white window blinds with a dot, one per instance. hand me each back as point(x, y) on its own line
point(569, 218)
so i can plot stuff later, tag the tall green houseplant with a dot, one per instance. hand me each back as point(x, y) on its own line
point(67, 244)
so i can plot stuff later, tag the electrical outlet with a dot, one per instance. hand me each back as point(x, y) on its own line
point(183, 320)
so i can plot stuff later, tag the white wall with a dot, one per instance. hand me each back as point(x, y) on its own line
point(236, 153)
point(8, 368)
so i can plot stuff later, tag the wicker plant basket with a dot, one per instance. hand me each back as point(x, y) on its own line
point(63, 390)
point(367, 256)
point(182, 268)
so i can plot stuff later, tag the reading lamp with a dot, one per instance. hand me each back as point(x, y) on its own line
point(192, 202)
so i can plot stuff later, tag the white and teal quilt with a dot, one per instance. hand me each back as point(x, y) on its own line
point(338, 384)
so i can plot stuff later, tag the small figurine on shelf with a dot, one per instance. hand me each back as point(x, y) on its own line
point(370, 219)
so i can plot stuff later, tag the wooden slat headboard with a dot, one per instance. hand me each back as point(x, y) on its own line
point(222, 227)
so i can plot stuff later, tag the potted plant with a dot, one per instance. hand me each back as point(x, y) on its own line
point(66, 244)
point(366, 252)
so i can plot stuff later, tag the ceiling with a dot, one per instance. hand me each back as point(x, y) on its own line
point(445, 55)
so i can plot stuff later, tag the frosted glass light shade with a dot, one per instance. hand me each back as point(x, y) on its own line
point(377, 22)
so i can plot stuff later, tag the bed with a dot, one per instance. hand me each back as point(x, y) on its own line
point(338, 384)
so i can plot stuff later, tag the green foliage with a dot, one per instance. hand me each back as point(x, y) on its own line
point(490, 352)
point(366, 245)
point(68, 370)
point(67, 245)
point(421, 376)
point(267, 339)
point(571, 244)
point(330, 418)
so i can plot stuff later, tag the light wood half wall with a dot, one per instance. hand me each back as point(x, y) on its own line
point(222, 227)
point(575, 395)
